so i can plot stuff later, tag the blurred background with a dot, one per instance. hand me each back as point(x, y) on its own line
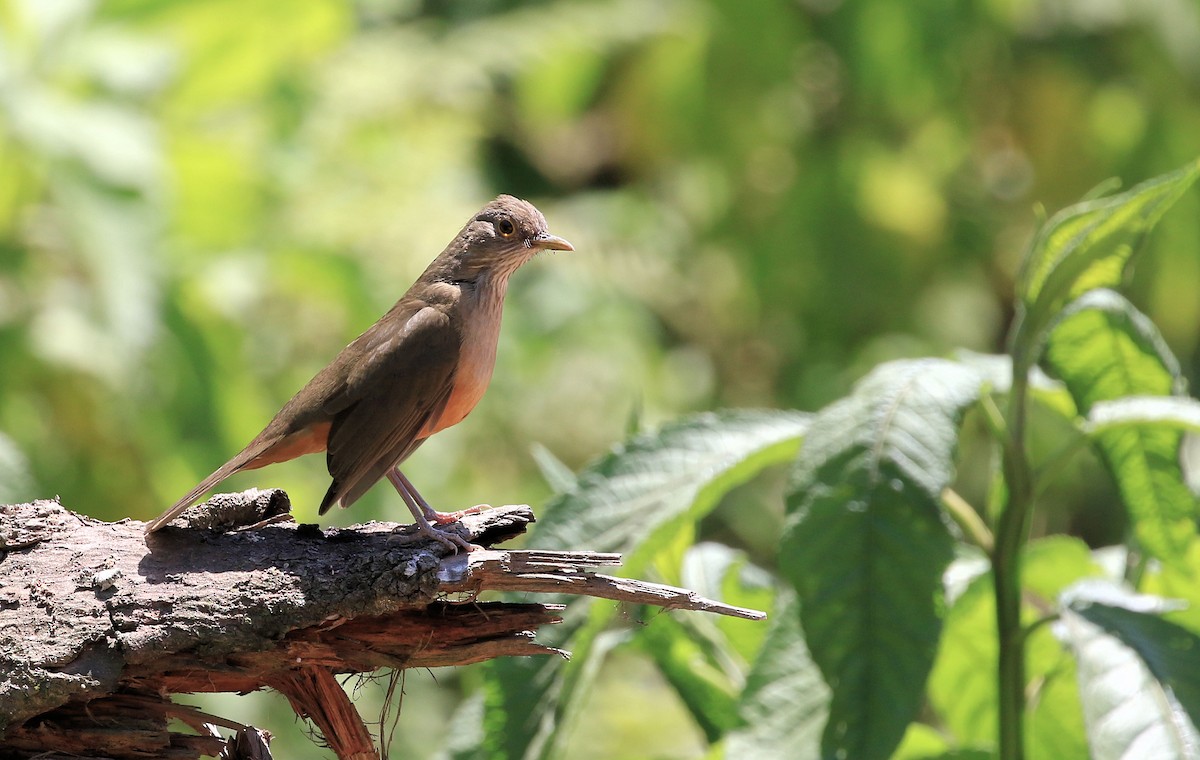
point(202, 201)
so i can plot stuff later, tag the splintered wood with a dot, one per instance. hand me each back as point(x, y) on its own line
point(100, 624)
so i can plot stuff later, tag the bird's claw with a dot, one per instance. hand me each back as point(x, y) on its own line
point(452, 541)
point(448, 538)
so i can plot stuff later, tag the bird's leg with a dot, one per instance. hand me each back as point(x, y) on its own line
point(431, 514)
point(452, 540)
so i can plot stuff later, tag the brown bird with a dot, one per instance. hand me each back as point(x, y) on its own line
point(420, 369)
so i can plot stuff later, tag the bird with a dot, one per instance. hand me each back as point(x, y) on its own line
point(421, 368)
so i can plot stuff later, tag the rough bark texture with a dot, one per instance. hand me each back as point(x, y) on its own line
point(100, 623)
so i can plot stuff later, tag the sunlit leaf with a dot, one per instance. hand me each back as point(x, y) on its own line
point(720, 572)
point(784, 706)
point(1054, 724)
point(1139, 675)
point(705, 657)
point(632, 501)
point(962, 683)
point(1089, 245)
point(1105, 349)
point(659, 479)
point(1177, 580)
point(1176, 412)
point(865, 544)
point(924, 742)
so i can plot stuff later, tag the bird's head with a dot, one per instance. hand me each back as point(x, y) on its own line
point(500, 238)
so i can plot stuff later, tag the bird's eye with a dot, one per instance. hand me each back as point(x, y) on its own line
point(506, 227)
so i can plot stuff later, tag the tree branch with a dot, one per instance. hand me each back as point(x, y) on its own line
point(100, 623)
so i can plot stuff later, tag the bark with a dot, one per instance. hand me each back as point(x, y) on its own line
point(99, 623)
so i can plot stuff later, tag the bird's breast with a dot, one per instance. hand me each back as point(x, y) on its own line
point(476, 359)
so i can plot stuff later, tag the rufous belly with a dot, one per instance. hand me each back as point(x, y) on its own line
point(476, 359)
point(309, 440)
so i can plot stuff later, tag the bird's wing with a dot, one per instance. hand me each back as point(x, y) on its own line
point(412, 334)
point(400, 383)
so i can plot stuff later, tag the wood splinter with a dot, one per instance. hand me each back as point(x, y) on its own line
point(90, 665)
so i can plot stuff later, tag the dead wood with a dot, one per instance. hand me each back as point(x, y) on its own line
point(99, 624)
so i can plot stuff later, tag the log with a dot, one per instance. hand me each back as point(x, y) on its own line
point(100, 624)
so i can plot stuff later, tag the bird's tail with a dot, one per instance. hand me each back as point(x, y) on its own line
point(240, 461)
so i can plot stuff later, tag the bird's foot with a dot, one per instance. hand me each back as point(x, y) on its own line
point(445, 518)
point(450, 539)
point(443, 535)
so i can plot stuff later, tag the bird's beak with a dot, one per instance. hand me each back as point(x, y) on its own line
point(552, 242)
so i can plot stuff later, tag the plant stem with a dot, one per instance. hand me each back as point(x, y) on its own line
point(961, 511)
point(993, 417)
point(1011, 532)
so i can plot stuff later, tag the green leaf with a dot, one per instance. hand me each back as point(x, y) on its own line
point(1053, 563)
point(1177, 581)
point(1177, 412)
point(962, 754)
point(962, 684)
point(556, 474)
point(465, 741)
point(688, 666)
point(705, 657)
point(922, 742)
point(657, 481)
point(785, 703)
point(528, 702)
point(1139, 675)
point(1103, 349)
point(632, 501)
point(1086, 246)
point(866, 544)
point(719, 572)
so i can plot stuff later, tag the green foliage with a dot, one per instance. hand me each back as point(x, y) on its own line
point(1137, 672)
point(201, 202)
point(1087, 247)
point(784, 706)
point(676, 475)
point(1104, 349)
point(865, 546)
point(884, 619)
point(964, 693)
point(659, 482)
